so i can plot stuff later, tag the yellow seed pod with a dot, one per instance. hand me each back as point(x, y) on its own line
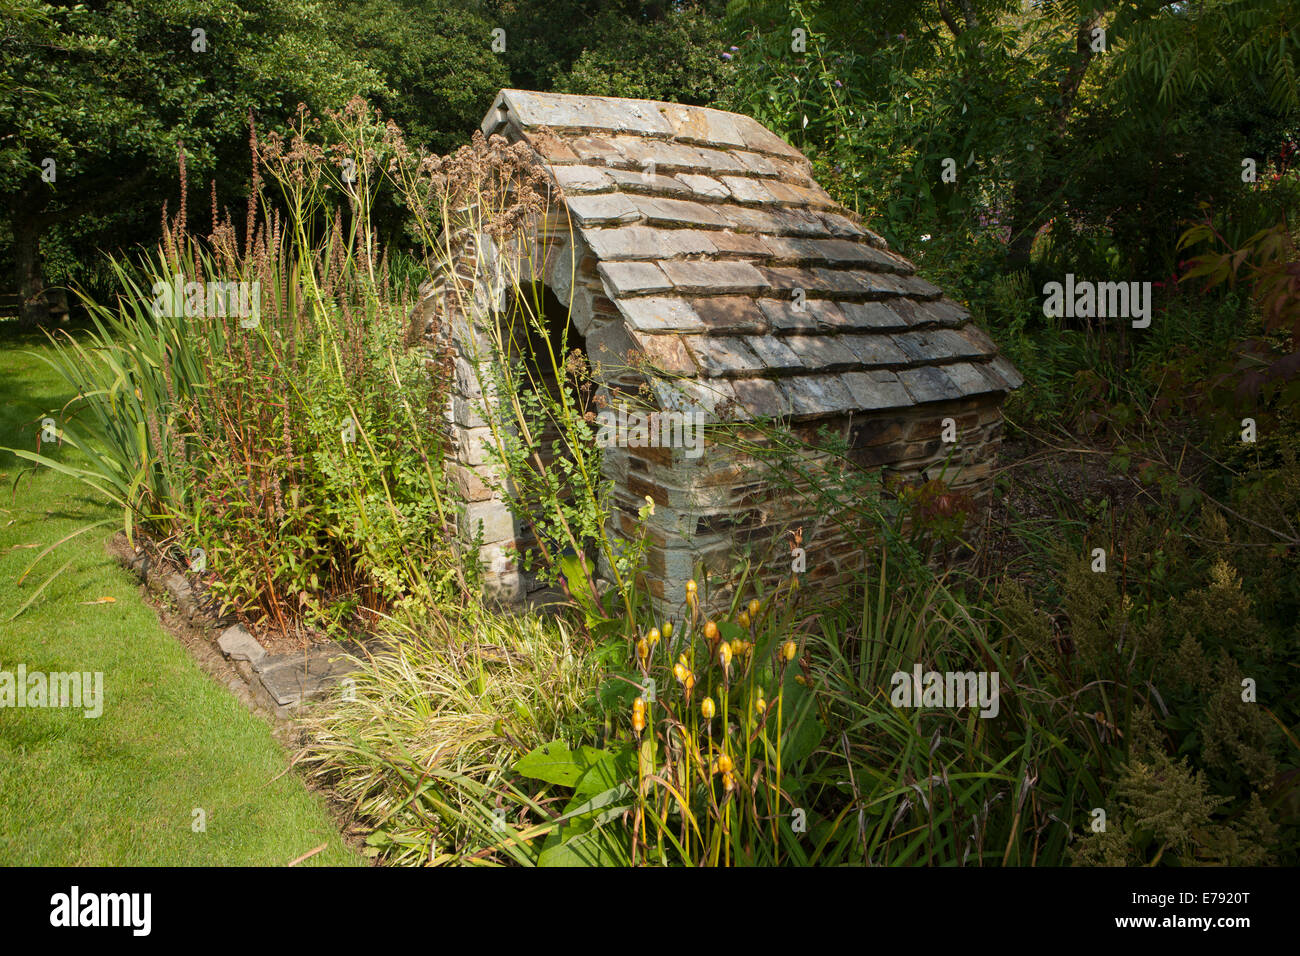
point(668, 629)
point(642, 649)
point(690, 587)
point(711, 631)
point(707, 709)
point(638, 705)
point(754, 608)
point(724, 763)
point(760, 705)
point(638, 721)
point(737, 647)
point(800, 679)
point(743, 619)
point(729, 782)
point(788, 650)
point(653, 636)
point(680, 671)
point(689, 681)
point(724, 655)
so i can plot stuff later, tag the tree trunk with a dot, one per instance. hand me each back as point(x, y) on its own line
point(33, 309)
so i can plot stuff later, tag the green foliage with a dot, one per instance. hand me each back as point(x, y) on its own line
point(676, 57)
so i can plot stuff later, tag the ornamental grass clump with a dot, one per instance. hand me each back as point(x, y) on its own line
point(283, 446)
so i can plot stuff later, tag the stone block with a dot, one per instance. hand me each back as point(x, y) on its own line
point(237, 644)
point(493, 517)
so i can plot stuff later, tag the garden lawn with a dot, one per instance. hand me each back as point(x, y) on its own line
point(122, 788)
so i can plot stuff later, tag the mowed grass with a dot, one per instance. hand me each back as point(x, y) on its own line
point(123, 788)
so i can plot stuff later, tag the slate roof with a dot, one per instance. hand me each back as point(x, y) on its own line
point(705, 225)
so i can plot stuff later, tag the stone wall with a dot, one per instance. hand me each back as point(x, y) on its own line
point(729, 502)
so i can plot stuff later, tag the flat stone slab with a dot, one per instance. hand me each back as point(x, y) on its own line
point(304, 675)
point(237, 644)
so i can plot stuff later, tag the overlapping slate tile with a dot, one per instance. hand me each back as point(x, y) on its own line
point(719, 161)
point(667, 157)
point(701, 185)
point(875, 350)
point(790, 278)
point(747, 189)
point(876, 315)
point(661, 314)
point(761, 398)
point(928, 384)
point(916, 286)
point(821, 351)
point(627, 242)
point(643, 180)
point(728, 243)
point(816, 394)
point(756, 163)
point(722, 276)
point(943, 312)
point(577, 178)
point(876, 390)
point(723, 356)
point(979, 339)
point(665, 352)
point(1004, 368)
point(788, 316)
point(594, 149)
point(633, 278)
point(701, 125)
point(715, 397)
point(676, 212)
point(968, 378)
point(776, 353)
point(738, 314)
point(603, 209)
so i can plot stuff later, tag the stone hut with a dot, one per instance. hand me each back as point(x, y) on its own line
point(698, 241)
